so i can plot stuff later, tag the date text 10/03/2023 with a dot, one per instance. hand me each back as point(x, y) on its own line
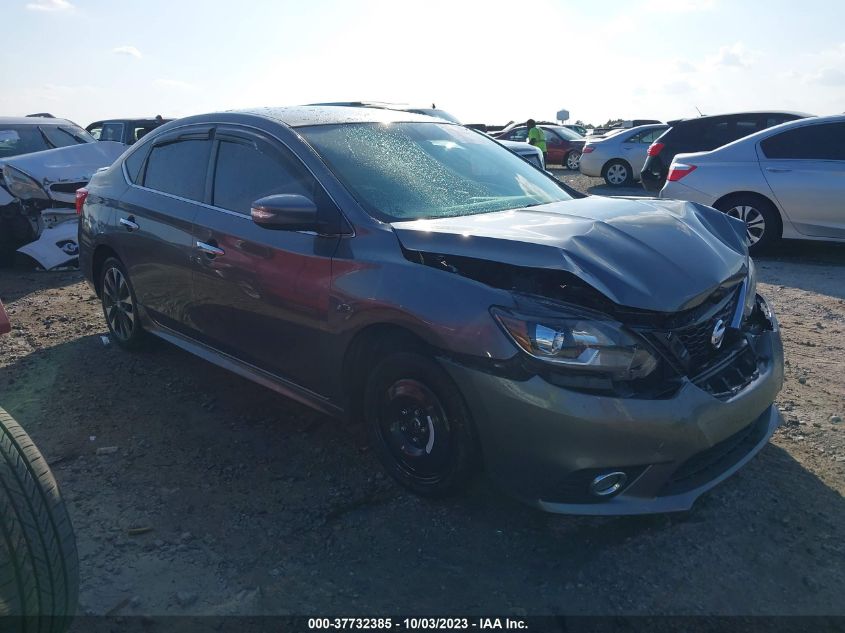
point(417, 624)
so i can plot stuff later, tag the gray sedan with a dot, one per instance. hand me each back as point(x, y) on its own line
point(619, 158)
point(785, 182)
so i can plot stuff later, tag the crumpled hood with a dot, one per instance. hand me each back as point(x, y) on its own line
point(66, 165)
point(661, 255)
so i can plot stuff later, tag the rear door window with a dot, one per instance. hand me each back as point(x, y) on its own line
point(247, 170)
point(810, 142)
point(179, 168)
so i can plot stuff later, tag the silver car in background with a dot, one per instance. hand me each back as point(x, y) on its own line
point(787, 181)
point(619, 158)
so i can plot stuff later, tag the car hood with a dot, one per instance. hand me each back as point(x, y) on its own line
point(660, 255)
point(60, 170)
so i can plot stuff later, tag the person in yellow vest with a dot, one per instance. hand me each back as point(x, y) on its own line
point(536, 137)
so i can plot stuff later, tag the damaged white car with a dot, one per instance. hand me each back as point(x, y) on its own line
point(43, 161)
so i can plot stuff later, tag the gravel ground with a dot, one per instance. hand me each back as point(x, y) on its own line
point(247, 503)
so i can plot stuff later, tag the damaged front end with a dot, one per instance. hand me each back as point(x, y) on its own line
point(574, 337)
point(37, 201)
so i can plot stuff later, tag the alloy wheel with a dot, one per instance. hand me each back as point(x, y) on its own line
point(118, 304)
point(415, 428)
point(617, 174)
point(755, 223)
point(573, 160)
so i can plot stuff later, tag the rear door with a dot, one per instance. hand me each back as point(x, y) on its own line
point(153, 225)
point(261, 295)
point(805, 167)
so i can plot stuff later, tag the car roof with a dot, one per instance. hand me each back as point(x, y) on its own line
point(299, 116)
point(716, 116)
point(151, 119)
point(777, 129)
point(31, 120)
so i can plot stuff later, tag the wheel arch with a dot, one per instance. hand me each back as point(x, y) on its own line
point(724, 200)
point(367, 346)
point(101, 254)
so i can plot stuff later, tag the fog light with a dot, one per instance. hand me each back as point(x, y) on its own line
point(608, 484)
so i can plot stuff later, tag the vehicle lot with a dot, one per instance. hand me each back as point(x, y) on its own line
point(258, 505)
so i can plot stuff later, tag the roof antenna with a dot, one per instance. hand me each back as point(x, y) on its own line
point(433, 107)
point(699, 111)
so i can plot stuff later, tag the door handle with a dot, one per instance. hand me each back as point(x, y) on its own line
point(778, 170)
point(129, 223)
point(210, 249)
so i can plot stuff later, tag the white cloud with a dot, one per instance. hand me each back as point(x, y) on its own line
point(678, 87)
point(174, 83)
point(733, 56)
point(127, 50)
point(683, 66)
point(50, 5)
point(828, 77)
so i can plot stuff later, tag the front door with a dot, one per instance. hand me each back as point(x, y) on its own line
point(805, 168)
point(261, 295)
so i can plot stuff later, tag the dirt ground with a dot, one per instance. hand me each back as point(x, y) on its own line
point(253, 504)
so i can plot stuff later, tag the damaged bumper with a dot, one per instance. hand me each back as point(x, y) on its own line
point(548, 445)
point(37, 197)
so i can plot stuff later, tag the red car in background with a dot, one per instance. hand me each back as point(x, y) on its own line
point(563, 146)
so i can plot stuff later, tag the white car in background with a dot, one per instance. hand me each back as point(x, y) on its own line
point(619, 158)
point(787, 181)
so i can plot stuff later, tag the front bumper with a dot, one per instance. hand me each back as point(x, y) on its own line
point(544, 444)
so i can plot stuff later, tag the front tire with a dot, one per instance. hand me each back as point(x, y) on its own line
point(573, 160)
point(39, 567)
point(617, 173)
point(120, 307)
point(419, 425)
point(763, 226)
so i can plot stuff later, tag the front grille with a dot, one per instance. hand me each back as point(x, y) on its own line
point(731, 375)
point(705, 466)
point(696, 338)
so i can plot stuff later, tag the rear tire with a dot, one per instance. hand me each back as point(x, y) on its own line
point(419, 425)
point(617, 173)
point(39, 568)
point(120, 307)
point(572, 160)
point(763, 226)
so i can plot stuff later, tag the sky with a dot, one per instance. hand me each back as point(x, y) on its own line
point(489, 61)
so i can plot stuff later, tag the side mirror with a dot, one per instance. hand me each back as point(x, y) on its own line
point(285, 212)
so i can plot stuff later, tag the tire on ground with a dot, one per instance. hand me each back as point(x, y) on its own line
point(615, 163)
point(773, 223)
point(463, 454)
point(39, 569)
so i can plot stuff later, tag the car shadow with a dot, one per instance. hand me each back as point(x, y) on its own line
point(17, 284)
point(294, 503)
point(812, 266)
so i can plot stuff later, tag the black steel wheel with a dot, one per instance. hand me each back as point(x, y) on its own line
point(419, 424)
point(120, 307)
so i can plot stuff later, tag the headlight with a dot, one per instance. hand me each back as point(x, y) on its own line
point(579, 342)
point(750, 289)
point(22, 186)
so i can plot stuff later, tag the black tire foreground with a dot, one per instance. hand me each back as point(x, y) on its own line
point(39, 568)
